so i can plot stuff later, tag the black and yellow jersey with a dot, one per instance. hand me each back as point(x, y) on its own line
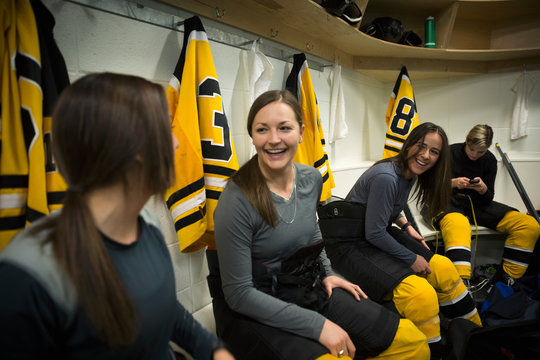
point(401, 115)
point(311, 151)
point(205, 158)
point(32, 74)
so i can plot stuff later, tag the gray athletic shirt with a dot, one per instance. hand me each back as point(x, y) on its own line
point(243, 236)
point(384, 193)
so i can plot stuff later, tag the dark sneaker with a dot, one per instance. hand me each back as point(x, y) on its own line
point(507, 279)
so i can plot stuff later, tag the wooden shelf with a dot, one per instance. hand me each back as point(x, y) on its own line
point(473, 36)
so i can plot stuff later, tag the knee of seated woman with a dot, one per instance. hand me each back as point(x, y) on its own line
point(444, 275)
point(456, 224)
point(516, 222)
point(415, 291)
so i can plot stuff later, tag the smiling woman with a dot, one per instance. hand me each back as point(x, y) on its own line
point(395, 263)
point(275, 295)
point(424, 155)
point(276, 134)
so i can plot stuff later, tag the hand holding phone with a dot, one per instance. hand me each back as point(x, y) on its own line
point(474, 181)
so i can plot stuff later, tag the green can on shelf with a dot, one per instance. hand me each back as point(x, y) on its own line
point(429, 32)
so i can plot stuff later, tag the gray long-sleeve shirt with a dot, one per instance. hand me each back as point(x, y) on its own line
point(384, 193)
point(242, 236)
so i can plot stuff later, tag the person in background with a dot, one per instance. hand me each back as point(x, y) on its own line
point(94, 280)
point(394, 263)
point(274, 293)
point(474, 170)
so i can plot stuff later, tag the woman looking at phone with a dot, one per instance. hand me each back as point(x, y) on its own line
point(474, 170)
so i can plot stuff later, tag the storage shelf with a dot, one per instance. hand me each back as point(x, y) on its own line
point(307, 27)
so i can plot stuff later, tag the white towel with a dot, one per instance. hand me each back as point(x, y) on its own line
point(260, 72)
point(338, 125)
point(523, 89)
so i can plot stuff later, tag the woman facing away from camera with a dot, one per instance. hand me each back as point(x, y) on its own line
point(277, 297)
point(94, 280)
point(394, 263)
point(474, 169)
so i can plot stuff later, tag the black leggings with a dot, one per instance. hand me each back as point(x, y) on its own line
point(370, 326)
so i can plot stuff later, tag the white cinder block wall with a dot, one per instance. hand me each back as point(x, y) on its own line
point(95, 41)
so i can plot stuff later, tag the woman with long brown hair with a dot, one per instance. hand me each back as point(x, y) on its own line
point(275, 295)
point(95, 280)
point(394, 263)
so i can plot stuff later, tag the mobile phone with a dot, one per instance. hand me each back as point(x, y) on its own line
point(474, 181)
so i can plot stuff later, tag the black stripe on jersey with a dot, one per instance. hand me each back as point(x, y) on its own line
point(291, 83)
point(321, 161)
point(391, 148)
point(33, 215)
point(12, 222)
point(191, 24)
point(27, 67)
point(53, 66)
point(212, 194)
point(55, 197)
point(190, 219)
point(325, 177)
point(218, 170)
point(517, 255)
point(461, 308)
point(395, 138)
point(13, 181)
point(185, 191)
point(459, 255)
point(29, 133)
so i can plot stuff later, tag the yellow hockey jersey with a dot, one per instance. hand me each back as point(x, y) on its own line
point(312, 149)
point(401, 115)
point(206, 157)
point(30, 186)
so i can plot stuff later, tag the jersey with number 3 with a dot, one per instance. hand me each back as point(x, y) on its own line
point(205, 158)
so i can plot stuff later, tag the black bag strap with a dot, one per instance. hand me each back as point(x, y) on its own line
point(214, 277)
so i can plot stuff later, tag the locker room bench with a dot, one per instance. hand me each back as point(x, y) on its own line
point(430, 234)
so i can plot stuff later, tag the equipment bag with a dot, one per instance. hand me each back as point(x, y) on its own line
point(519, 340)
point(505, 304)
point(341, 221)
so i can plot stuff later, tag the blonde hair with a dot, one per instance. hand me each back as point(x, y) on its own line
point(480, 135)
